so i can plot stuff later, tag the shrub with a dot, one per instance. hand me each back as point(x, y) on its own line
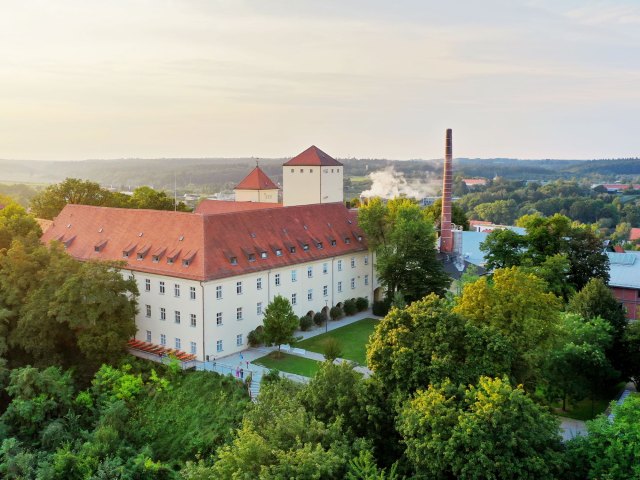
point(332, 349)
point(362, 304)
point(306, 322)
point(380, 308)
point(319, 318)
point(256, 337)
point(350, 307)
point(336, 313)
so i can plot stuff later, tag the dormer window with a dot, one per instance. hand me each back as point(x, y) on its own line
point(278, 252)
point(140, 256)
point(252, 257)
point(234, 260)
point(155, 258)
point(292, 249)
point(347, 240)
point(169, 261)
point(125, 254)
point(263, 254)
point(333, 243)
point(100, 246)
point(186, 263)
point(359, 238)
point(305, 247)
point(319, 245)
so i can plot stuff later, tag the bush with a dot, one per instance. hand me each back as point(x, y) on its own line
point(306, 322)
point(256, 337)
point(336, 313)
point(362, 304)
point(319, 318)
point(332, 349)
point(350, 307)
point(380, 308)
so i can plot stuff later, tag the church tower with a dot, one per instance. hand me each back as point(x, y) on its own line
point(312, 177)
point(256, 187)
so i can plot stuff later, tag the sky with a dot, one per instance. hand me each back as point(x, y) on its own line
point(93, 79)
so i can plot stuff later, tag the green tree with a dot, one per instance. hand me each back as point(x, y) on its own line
point(631, 344)
point(147, 197)
point(404, 242)
point(16, 223)
point(49, 202)
point(279, 322)
point(492, 431)
point(504, 248)
point(501, 212)
point(458, 217)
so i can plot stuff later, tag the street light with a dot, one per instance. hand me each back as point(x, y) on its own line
point(326, 316)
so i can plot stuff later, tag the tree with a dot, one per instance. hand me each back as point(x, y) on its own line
point(279, 322)
point(501, 212)
point(492, 431)
point(404, 242)
point(48, 203)
point(147, 197)
point(17, 224)
point(631, 344)
point(517, 305)
point(504, 248)
point(458, 217)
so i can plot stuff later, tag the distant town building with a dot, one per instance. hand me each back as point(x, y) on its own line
point(475, 182)
point(616, 187)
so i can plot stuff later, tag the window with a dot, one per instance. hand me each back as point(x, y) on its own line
point(366, 259)
point(149, 336)
point(353, 262)
point(163, 313)
point(233, 260)
point(319, 245)
point(192, 293)
point(219, 346)
point(131, 277)
point(294, 299)
point(278, 252)
point(193, 348)
point(302, 170)
point(177, 316)
point(185, 262)
point(169, 260)
point(193, 319)
point(292, 249)
point(347, 240)
point(325, 291)
point(339, 265)
point(125, 254)
point(277, 279)
point(162, 287)
point(176, 290)
point(219, 318)
point(309, 272)
point(333, 243)
point(259, 283)
point(294, 275)
point(305, 247)
point(325, 268)
point(310, 294)
point(259, 308)
point(339, 287)
point(366, 279)
point(292, 170)
point(148, 308)
point(252, 257)
point(163, 339)
point(353, 283)
point(178, 344)
point(239, 288)
point(147, 284)
point(263, 254)
point(239, 313)
point(239, 341)
point(219, 292)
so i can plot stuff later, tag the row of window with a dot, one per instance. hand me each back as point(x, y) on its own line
point(177, 315)
point(251, 257)
point(325, 170)
point(193, 348)
point(162, 288)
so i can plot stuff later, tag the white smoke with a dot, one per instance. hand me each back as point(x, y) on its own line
point(389, 184)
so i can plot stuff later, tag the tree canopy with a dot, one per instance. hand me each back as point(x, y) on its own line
point(279, 322)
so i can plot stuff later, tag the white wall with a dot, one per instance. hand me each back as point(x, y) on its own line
point(266, 196)
point(310, 185)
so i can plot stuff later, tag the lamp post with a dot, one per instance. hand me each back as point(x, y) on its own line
point(326, 316)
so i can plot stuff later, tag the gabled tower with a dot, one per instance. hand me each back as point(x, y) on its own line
point(446, 235)
point(312, 177)
point(257, 187)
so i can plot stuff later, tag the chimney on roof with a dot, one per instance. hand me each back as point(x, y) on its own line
point(446, 235)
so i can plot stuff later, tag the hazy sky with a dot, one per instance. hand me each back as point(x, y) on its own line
point(368, 78)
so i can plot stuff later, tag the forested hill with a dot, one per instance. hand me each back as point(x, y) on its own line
point(214, 174)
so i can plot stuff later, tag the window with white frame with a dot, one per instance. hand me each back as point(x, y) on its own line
point(310, 294)
point(193, 319)
point(259, 308)
point(161, 287)
point(353, 262)
point(239, 341)
point(147, 285)
point(178, 344)
point(163, 313)
point(177, 316)
point(193, 348)
point(219, 346)
point(294, 275)
point(325, 291)
point(366, 279)
point(325, 268)
point(339, 287)
point(366, 259)
point(277, 279)
point(294, 299)
point(353, 283)
point(192, 293)
point(339, 265)
point(163, 339)
point(219, 318)
point(219, 292)
point(149, 336)
point(176, 290)
point(148, 310)
point(239, 288)
point(239, 313)
point(259, 283)
point(309, 272)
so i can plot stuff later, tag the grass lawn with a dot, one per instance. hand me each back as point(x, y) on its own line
point(584, 410)
point(353, 340)
point(289, 363)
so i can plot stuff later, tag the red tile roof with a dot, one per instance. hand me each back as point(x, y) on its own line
point(256, 180)
point(634, 234)
point(311, 157)
point(475, 181)
point(160, 350)
point(208, 207)
point(216, 246)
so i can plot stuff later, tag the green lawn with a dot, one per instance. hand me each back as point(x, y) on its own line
point(584, 409)
point(289, 363)
point(353, 340)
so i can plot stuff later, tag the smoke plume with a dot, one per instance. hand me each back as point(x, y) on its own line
point(389, 183)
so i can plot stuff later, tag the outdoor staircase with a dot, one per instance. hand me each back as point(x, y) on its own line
point(254, 389)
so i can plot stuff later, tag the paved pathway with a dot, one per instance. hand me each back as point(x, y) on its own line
point(570, 428)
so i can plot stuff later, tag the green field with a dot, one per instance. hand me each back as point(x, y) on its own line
point(289, 363)
point(352, 338)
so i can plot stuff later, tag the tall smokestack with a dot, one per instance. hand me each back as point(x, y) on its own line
point(446, 235)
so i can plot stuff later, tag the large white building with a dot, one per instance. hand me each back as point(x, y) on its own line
point(205, 278)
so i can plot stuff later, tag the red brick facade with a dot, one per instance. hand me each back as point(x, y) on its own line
point(630, 299)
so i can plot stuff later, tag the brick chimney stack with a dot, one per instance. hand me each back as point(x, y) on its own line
point(446, 235)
